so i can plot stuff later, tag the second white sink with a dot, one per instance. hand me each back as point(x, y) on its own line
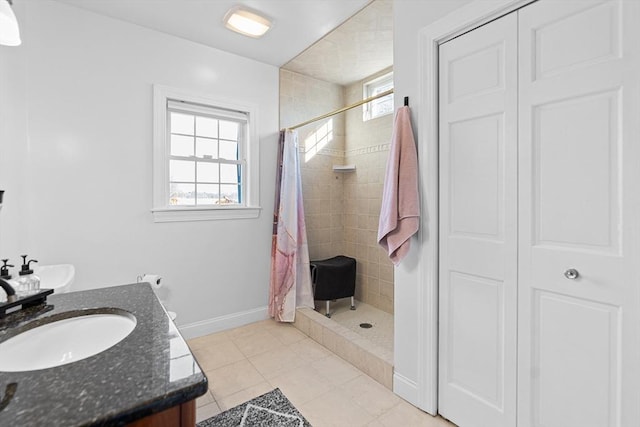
point(58, 277)
point(64, 341)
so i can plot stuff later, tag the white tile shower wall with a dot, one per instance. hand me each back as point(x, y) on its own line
point(367, 146)
point(79, 138)
point(302, 98)
point(342, 209)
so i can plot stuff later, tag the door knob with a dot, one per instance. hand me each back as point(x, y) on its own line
point(571, 273)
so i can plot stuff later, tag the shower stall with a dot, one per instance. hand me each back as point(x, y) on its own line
point(343, 160)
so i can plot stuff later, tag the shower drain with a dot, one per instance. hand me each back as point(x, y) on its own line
point(366, 325)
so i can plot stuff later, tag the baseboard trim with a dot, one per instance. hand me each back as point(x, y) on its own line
point(405, 388)
point(222, 323)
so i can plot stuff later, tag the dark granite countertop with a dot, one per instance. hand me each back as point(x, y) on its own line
point(149, 371)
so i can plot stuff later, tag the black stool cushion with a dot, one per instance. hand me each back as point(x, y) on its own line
point(334, 278)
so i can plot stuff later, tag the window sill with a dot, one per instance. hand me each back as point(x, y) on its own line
point(204, 214)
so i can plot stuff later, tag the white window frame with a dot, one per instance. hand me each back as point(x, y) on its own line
point(162, 210)
point(367, 91)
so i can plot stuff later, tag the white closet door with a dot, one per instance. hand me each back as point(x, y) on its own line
point(478, 226)
point(579, 330)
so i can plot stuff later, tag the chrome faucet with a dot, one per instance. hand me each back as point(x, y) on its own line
point(11, 293)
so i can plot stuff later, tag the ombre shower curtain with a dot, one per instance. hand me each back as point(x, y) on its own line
point(290, 276)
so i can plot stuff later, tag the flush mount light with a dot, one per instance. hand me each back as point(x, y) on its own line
point(9, 31)
point(246, 21)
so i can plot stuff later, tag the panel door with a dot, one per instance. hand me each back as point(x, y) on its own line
point(478, 226)
point(579, 214)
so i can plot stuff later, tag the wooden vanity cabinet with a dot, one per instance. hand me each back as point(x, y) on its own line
point(183, 415)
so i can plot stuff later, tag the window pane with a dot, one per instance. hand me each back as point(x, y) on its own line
point(208, 172)
point(206, 126)
point(228, 130)
point(181, 194)
point(182, 170)
point(229, 194)
point(229, 150)
point(229, 174)
point(208, 194)
point(207, 148)
point(181, 145)
point(182, 123)
point(382, 88)
point(382, 106)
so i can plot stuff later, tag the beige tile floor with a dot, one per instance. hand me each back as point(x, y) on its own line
point(246, 362)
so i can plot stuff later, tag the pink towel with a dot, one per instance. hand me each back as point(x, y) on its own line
point(400, 212)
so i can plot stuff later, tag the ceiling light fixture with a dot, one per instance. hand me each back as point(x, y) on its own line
point(247, 21)
point(9, 31)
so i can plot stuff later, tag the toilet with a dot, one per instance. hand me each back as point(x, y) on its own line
point(172, 314)
point(155, 281)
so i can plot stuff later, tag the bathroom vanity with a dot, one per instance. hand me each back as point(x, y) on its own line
point(147, 378)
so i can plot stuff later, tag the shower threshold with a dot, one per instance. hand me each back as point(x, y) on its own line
point(370, 350)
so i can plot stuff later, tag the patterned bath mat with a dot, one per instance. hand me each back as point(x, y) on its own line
point(271, 409)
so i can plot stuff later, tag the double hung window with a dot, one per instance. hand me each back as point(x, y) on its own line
point(203, 159)
point(206, 159)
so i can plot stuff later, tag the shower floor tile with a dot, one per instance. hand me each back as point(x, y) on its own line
point(381, 331)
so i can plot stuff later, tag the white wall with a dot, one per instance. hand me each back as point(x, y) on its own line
point(88, 165)
point(13, 143)
point(409, 18)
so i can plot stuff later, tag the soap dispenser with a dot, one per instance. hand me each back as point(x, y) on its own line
point(28, 282)
point(4, 270)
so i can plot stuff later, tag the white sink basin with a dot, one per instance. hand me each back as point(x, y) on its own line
point(65, 341)
point(58, 277)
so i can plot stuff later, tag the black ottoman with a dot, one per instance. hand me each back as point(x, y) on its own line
point(334, 278)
